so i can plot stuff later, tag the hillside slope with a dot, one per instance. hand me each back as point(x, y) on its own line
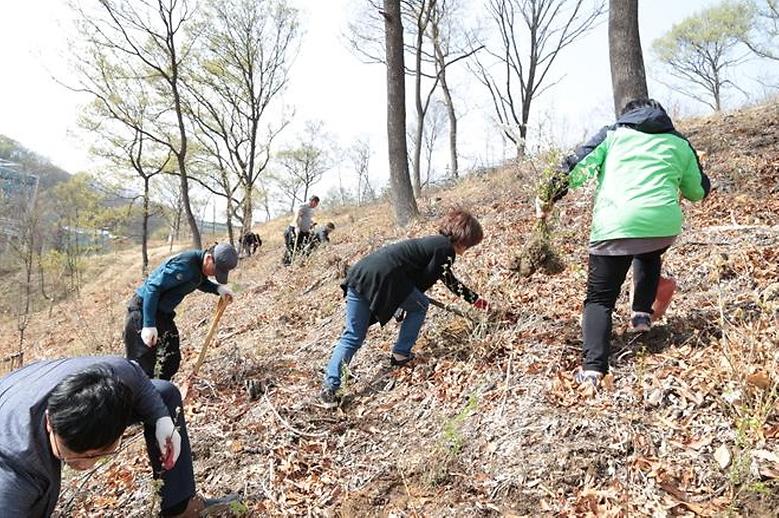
point(487, 421)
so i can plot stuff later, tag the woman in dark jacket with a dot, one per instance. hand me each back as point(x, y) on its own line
point(396, 277)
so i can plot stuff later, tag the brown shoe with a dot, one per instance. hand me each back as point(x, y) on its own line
point(195, 506)
point(199, 506)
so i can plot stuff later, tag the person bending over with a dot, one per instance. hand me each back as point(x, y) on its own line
point(74, 411)
point(150, 334)
point(396, 277)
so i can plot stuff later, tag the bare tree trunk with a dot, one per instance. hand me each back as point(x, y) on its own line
point(440, 60)
point(402, 194)
point(416, 159)
point(248, 209)
point(628, 78)
point(145, 228)
point(229, 221)
point(453, 164)
point(177, 224)
point(716, 90)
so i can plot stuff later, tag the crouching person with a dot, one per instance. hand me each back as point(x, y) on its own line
point(74, 411)
point(396, 277)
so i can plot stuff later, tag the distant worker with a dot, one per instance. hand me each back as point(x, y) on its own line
point(641, 164)
point(150, 335)
point(320, 237)
point(250, 242)
point(74, 411)
point(397, 276)
point(298, 234)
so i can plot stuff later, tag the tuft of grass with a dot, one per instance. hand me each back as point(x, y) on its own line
point(447, 452)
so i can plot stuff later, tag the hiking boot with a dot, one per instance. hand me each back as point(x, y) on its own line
point(199, 506)
point(640, 322)
point(400, 362)
point(583, 377)
point(328, 398)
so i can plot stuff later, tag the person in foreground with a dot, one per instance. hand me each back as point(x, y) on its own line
point(74, 411)
point(150, 334)
point(642, 164)
point(396, 277)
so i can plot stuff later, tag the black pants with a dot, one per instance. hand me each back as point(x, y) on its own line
point(161, 361)
point(178, 483)
point(604, 281)
point(295, 242)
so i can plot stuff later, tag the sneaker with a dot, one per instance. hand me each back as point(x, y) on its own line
point(395, 362)
point(640, 322)
point(328, 398)
point(592, 377)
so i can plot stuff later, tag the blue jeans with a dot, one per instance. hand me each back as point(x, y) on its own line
point(358, 317)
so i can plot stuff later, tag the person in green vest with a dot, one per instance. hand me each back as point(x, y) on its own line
point(641, 165)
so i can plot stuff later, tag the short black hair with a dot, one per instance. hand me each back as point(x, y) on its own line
point(89, 410)
point(641, 102)
point(314, 198)
point(330, 225)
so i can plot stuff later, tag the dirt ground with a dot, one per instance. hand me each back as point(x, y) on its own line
point(487, 421)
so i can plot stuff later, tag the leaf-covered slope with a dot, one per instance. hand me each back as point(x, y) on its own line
point(487, 421)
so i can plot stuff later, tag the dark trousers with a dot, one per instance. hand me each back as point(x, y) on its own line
point(178, 483)
point(161, 361)
point(294, 242)
point(604, 281)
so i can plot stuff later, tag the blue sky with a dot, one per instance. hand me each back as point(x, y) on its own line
point(330, 84)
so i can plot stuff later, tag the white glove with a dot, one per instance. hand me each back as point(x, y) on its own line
point(169, 441)
point(542, 208)
point(149, 336)
point(224, 291)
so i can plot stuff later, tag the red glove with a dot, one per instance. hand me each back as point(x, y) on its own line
point(168, 459)
point(481, 304)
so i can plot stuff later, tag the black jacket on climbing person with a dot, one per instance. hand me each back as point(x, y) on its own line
point(389, 275)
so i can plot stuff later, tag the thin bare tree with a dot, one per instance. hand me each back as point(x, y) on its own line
point(531, 35)
point(145, 40)
point(247, 50)
point(701, 49)
point(763, 40)
point(122, 142)
point(308, 161)
point(432, 49)
point(360, 155)
point(434, 127)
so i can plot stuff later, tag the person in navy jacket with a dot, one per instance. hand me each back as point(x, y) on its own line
point(151, 337)
point(73, 412)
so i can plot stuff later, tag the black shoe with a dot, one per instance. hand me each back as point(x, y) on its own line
point(328, 398)
point(399, 363)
